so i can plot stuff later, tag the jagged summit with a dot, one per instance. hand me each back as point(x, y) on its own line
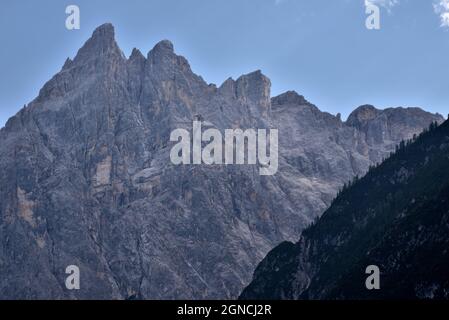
point(363, 113)
point(254, 83)
point(164, 46)
point(253, 87)
point(101, 43)
point(289, 97)
point(256, 74)
point(136, 62)
point(162, 50)
point(105, 30)
point(68, 62)
point(136, 54)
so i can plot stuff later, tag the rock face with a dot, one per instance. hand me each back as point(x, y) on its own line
point(86, 178)
point(395, 218)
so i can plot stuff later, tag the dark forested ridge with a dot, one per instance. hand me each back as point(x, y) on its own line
point(396, 217)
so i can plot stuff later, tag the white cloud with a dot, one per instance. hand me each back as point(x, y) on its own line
point(441, 8)
point(387, 4)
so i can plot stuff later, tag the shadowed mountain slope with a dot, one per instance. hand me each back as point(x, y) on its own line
point(396, 217)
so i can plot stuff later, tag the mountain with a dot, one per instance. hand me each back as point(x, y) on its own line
point(395, 218)
point(86, 178)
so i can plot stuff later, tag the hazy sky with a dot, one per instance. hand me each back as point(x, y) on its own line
point(320, 48)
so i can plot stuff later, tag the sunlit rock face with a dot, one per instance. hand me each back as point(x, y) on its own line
point(86, 177)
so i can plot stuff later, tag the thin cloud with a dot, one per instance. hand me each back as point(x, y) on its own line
point(441, 8)
point(278, 2)
point(387, 4)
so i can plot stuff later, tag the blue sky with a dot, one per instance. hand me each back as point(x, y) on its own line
point(320, 48)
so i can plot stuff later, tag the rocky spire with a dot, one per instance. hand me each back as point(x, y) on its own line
point(162, 51)
point(254, 86)
point(68, 62)
point(163, 63)
point(136, 55)
point(102, 42)
point(362, 114)
point(290, 97)
point(164, 46)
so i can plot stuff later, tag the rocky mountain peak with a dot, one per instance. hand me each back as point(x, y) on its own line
point(136, 63)
point(105, 31)
point(255, 87)
point(227, 88)
point(162, 50)
point(362, 114)
point(164, 46)
point(68, 62)
point(101, 43)
point(256, 76)
point(289, 97)
point(390, 125)
point(136, 55)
